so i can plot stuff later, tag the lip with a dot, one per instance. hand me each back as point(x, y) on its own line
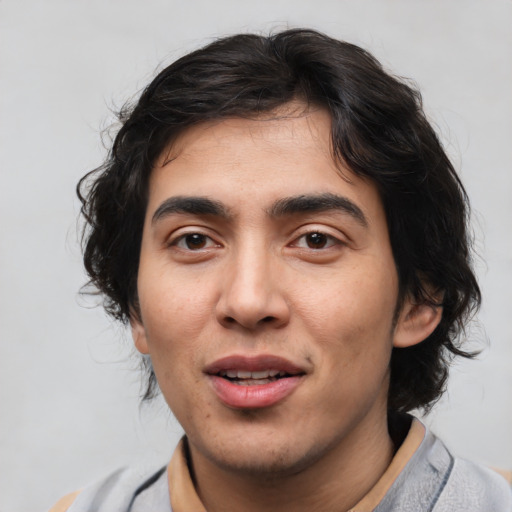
point(253, 364)
point(255, 396)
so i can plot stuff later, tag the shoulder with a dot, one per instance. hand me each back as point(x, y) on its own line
point(434, 480)
point(471, 487)
point(461, 485)
point(124, 490)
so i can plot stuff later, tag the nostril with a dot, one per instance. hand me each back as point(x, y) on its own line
point(267, 319)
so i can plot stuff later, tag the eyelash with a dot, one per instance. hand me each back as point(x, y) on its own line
point(325, 238)
point(183, 239)
point(329, 239)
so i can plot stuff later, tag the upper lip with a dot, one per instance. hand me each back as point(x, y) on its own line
point(253, 364)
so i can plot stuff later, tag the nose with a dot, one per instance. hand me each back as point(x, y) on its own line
point(252, 297)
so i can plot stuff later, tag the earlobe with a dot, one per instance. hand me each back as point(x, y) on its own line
point(416, 323)
point(139, 336)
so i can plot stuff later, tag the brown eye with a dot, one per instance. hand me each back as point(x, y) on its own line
point(316, 240)
point(195, 241)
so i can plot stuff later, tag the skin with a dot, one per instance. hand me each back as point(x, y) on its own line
point(318, 288)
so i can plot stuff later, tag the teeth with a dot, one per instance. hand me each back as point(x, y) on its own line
point(244, 374)
point(260, 375)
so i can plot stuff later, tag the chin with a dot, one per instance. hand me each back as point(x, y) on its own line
point(272, 457)
point(266, 463)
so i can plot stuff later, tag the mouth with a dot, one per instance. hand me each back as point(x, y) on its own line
point(253, 382)
point(258, 378)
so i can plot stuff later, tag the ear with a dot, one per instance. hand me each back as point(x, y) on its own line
point(139, 335)
point(416, 323)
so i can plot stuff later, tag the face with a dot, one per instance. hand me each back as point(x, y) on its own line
point(267, 291)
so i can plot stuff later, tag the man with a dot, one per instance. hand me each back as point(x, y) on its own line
point(282, 229)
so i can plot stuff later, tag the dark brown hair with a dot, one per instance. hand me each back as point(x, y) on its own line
point(379, 131)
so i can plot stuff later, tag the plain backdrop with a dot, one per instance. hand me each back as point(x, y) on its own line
point(69, 384)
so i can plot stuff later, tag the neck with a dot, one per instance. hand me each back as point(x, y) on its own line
point(336, 481)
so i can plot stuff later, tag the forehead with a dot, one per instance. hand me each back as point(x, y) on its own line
point(291, 130)
point(258, 161)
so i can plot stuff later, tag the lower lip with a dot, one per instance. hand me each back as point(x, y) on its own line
point(255, 396)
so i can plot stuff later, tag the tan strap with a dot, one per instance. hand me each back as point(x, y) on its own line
point(507, 475)
point(403, 455)
point(183, 494)
point(64, 503)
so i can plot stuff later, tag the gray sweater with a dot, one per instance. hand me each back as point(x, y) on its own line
point(432, 481)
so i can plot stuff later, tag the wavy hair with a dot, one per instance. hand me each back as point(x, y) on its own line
point(379, 131)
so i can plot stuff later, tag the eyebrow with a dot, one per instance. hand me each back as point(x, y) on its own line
point(316, 203)
point(311, 203)
point(190, 205)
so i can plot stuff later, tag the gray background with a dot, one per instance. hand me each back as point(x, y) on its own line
point(69, 381)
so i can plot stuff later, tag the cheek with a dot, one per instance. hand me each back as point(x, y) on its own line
point(174, 302)
point(350, 319)
point(352, 303)
point(175, 318)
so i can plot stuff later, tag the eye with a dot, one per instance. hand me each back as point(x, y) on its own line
point(194, 242)
point(316, 240)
